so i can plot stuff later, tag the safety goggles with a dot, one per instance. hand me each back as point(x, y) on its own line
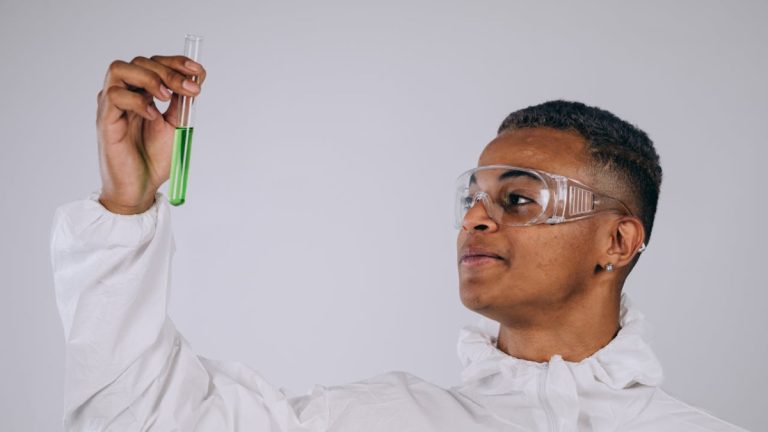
point(515, 196)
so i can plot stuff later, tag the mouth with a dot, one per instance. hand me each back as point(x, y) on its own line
point(475, 257)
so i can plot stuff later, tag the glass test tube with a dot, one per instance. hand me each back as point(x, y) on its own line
point(182, 140)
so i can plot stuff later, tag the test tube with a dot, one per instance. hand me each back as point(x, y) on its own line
point(182, 140)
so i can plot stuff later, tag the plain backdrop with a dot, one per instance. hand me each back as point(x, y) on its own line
point(317, 242)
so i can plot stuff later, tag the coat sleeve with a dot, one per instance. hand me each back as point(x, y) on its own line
point(127, 367)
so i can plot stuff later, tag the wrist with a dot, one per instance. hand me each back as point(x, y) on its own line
point(117, 207)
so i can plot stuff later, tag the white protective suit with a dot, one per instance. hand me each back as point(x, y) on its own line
point(129, 369)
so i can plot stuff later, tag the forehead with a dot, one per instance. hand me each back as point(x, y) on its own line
point(546, 149)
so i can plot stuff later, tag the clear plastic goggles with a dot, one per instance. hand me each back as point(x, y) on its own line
point(515, 196)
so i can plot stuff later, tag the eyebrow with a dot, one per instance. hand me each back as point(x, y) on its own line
point(508, 174)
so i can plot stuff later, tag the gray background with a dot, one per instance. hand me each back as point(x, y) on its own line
point(317, 242)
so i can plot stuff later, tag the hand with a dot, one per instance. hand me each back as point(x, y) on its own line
point(135, 139)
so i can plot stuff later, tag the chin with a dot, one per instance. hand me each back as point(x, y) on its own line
point(476, 296)
point(489, 297)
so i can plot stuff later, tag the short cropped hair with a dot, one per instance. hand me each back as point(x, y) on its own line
point(614, 146)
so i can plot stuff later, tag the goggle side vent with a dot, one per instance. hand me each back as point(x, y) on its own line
point(582, 201)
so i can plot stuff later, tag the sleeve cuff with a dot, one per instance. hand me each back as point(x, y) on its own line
point(87, 223)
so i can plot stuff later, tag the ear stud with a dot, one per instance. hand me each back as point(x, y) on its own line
point(609, 267)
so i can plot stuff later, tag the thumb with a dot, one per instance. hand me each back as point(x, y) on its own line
point(171, 114)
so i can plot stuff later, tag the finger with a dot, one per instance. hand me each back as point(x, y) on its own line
point(176, 80)
point(118, 100)
point(130, 75)
point(184, 65)
point(171, 114)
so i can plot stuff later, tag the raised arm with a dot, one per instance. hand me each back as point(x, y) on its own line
point(127, 367)
point(112, 274)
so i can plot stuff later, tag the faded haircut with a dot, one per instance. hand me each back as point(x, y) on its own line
point(614, 146)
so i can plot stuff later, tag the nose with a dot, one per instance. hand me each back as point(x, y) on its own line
point(478, 219)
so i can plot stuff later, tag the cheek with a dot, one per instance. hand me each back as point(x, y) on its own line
point(548, 256)
point(561, 258)
point(537, 249)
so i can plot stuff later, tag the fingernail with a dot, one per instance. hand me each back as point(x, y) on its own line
point(192, 66)
point(164, 90)
point(189, 85)
point(152, 111)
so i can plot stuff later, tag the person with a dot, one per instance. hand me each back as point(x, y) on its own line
point(551, 222)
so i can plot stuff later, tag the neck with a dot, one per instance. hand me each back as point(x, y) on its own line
point(575, 329)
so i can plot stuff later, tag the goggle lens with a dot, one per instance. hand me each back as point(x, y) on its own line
point(511, 197)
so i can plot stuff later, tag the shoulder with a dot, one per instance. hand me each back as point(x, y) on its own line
point(666, 413)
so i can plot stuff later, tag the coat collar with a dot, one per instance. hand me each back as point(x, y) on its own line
point(626, 360)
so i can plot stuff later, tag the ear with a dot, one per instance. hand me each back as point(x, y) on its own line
point(627, 238)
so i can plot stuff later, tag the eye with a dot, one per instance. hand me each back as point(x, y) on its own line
point(467, 202)
point(514, 200)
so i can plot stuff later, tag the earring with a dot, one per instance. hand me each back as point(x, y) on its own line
point(609, 267)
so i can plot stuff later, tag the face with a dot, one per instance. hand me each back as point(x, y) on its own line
point(512, 271)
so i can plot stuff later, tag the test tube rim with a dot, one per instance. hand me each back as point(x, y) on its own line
point(193, 37)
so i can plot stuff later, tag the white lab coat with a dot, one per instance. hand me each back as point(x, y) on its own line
point(129, 369)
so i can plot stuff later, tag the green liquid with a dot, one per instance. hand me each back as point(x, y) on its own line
point(182, 147)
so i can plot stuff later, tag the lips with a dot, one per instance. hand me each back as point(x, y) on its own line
point(478, 255)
